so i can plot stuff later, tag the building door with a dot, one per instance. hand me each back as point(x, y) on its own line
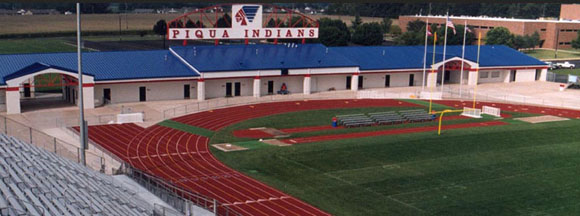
point(387, 81)
point(348, 82)
point(513, 76)
point(412, 79)
point(228, 89)
point(447, 76)
point(538, 72)
point(142, 93)
point(74, 98)
point(270, 87)
point(107, 95)
point(360, 82)
point(26, 90)
point(237, 89)
point(186, 93)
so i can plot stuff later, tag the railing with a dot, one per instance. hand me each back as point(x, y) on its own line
point(231, 101)
point(49, 143)
point(178, 198)
point(467, 94)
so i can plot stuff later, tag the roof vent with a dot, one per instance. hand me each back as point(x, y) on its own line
point(383, 52)
point(194, 51)
point(326, 50)
point(165, 57)
point(256, 51)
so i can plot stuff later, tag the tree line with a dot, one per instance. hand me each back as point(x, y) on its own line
point(332, 32)
point(415, 35)
point(393, 10)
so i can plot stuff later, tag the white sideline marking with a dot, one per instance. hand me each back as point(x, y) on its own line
point(256, 201)
point(165, 155)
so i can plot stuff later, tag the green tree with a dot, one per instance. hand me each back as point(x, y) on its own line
point(160, 28)
point(499, 35)
point(454, 39)
point(395, 30)
point(333, 32)
point(386, 23)
point(224, 22)
point(368, 34)
point(534, 40)
point(416, 26)
point(576, 42)
point(357, 21)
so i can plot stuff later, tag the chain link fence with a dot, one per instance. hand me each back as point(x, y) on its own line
point(468, 94)
point(176, 197)
point(237, 101)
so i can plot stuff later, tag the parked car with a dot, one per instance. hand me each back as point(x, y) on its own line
point(551, 65)
point(567, 65)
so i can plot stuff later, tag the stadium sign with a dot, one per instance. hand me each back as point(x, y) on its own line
point(246, 23)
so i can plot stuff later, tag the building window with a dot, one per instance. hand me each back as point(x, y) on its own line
point(543, 29)
point(495, 74)
point(483, 75)
point(484, 27)
point(491, 27)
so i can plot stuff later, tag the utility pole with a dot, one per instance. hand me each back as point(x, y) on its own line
point(83, 125)
point(557, 42)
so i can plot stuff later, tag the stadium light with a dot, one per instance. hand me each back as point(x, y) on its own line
point(83, 126)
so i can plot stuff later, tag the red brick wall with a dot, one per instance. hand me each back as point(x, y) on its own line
point(547, 30)
point(570, 11)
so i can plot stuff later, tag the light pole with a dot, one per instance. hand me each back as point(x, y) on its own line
point(83, 128)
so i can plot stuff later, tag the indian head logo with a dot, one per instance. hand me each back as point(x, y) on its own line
point(248, 13)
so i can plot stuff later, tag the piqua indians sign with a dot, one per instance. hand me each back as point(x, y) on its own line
point(246, 23)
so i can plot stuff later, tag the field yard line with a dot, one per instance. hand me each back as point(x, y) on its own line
point(74, 45)
point(352, 184)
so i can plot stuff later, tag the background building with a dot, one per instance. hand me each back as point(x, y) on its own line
point(553, 33)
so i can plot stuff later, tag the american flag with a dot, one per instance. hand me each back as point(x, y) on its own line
point(467, 29)
point(450, 25)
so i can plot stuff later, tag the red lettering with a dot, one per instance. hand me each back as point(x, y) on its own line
point(278, 32)
point(300, 33)
point(225, 35)
point(212, 33)
point(311, 33)
point(187, 34)
point(256, 33)
point(175, 33)
point(246, 31)
point(288, 33)
point(268, 33)
point(199, 34)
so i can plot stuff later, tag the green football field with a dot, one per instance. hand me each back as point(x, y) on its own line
point(514, 169)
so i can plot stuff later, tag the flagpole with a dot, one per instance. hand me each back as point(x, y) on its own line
point(477, 69)
point(433, 71)
point(444, 52)
point(80, 101)
point(425, 55)
point(462, 58)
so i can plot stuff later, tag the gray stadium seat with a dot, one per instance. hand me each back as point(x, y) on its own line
point(37, 182)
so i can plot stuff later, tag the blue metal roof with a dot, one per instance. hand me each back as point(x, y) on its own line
point(33, 68)
point(410, 57)
point(123, 65)
point(103, 65)
point(261, 57)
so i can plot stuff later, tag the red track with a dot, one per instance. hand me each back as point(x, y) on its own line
point(185, 160)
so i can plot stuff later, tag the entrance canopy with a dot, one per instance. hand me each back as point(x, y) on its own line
point(26, 73)
point(455, 64)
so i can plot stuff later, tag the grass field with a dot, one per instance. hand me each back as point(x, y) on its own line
point(107, 22)
point(521, 168)
point(549, 54)
point(575, 71)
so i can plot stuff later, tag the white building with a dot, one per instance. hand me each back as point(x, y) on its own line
point(202, 72)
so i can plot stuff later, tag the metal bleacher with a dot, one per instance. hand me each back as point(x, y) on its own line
point(37, 182)
point(382, 118)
